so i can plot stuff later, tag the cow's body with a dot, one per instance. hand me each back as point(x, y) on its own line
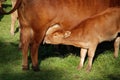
point(36, 16)
point(89, 33)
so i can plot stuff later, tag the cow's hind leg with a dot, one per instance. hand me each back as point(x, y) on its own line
point(25, 41)
point(34, 56)
point(13, 21)
point(14, 17)
point(116, 47)
point(34, 51)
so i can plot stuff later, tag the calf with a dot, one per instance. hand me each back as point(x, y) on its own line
point(88, 34)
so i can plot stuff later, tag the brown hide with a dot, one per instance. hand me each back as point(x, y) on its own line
point(101, 27)
point(36, 16)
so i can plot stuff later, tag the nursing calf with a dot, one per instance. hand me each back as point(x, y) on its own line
point(88, 34)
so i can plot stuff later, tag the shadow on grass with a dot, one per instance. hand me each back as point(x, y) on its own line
point(62, 51)
point(9, 51)
point(1, 16)
point(42, 75)
point(114, 77)
point(10, 66)
point(46, 51)
point(105, 46)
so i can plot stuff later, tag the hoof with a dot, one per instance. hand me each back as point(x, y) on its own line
point(88, 70)
point(25, 68)
point(35, 68)
point(115, 56)
point(12, 33)
point(79, 67)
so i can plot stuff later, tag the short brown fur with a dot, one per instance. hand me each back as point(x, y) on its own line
point(88, 34)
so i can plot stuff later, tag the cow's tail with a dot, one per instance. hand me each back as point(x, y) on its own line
point(3, 12)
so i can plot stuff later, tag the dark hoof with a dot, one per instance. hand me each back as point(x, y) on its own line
point(115, 56)
point(25, 68)
point(35, 68)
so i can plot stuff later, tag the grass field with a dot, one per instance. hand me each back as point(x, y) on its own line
point(54, 65)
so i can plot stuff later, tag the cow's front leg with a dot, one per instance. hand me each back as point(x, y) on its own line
point(82, 58)
point(91, 52)
point(116, 47)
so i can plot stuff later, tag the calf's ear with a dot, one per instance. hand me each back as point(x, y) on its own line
point(67, 34)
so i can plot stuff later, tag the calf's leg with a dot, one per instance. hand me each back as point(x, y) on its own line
point(91, 52)
point(82, 57)
point(116, 47)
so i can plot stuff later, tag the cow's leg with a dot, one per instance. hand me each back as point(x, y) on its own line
point(13, 20)
point(82, 57)
point(91, 52)
point(116, 47)
point(34, 51)
point(34, 56)
point(25, 41)
point(14, 16)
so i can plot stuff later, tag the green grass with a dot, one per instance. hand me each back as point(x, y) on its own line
point(53, 65)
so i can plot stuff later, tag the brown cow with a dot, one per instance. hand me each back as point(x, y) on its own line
point(36, 16)
point(88, 34)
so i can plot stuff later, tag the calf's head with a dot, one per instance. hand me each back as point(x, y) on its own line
point(56, 35)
